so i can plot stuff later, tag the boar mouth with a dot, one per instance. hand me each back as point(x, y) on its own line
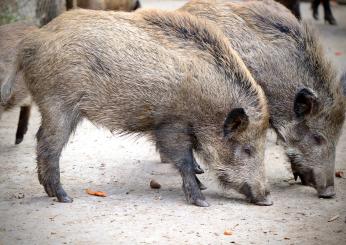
point(309, 177)
point(306, 179)
point(304, 173)
point(252, 193)
point(258, 199)
point(327, 192)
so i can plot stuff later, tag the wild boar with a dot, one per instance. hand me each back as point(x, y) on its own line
point(306, 104)
point(117, 5)
point(107, 67)
point(10, 36)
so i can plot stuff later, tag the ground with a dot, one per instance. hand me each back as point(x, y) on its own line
point(132, 213)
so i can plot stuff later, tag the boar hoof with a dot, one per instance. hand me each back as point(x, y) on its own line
point(192, 191)
point(327, 193)
point(201, 203)
point(264, 203)
point(57, 191)
point(198, 169)
point(267, 201)
point(65, 199)
point(164, 159)
point(202, 187)
point(19, 140)
point(200, 184)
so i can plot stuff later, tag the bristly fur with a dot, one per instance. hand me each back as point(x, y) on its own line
point(111, 68)
point(208, 38)
point(281, 27)
point(12, 86)
point(115, 5)
point(286, 57)
point(327, 84)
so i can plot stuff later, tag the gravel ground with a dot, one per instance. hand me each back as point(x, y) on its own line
point(132, 213)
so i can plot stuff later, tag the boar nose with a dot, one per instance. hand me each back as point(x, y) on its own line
point(324, 183)
point(256, 194)
point(266, 201)
point(328, 192)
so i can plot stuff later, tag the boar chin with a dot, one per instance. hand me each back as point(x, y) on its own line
point(312, 176)
point(255, 193)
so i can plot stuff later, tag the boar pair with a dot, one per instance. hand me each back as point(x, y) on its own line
point(112, 69)
point(305, 97)
point(10, 36)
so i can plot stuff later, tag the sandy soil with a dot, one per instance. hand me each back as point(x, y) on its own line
point(132, 213)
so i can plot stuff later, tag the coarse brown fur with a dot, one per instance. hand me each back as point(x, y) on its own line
point(10, 36)
point(110, 68)
point(305, 96)
point(46, 10)
point(117, 5)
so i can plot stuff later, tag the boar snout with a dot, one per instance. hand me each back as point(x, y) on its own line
point(324, 183)
point(316, 178)
point(257, 194)
point(328, 192)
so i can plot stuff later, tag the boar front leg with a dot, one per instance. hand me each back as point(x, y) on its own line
point(52, 135)
point(165, 159)
point(197, 168)
point(22, 123)
point(175, 142)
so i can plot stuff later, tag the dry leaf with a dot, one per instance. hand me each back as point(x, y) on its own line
point(96, 193)
point(339, 174)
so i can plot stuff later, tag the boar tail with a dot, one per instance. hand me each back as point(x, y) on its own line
point(8, 85)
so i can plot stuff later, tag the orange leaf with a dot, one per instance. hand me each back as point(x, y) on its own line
point(339, 174)
point(96, 193)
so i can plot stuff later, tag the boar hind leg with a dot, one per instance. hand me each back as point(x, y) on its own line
point(163, 157)
point(175, 143)
point(53, 134)
point(22, 123)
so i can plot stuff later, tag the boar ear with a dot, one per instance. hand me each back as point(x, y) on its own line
point(343, 82)
point(305, 103)
point(236, 120)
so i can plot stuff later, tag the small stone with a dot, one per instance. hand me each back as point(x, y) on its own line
point(154, 184)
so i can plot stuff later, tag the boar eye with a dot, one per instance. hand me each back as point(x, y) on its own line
point(319, 140)
point(247, 149)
